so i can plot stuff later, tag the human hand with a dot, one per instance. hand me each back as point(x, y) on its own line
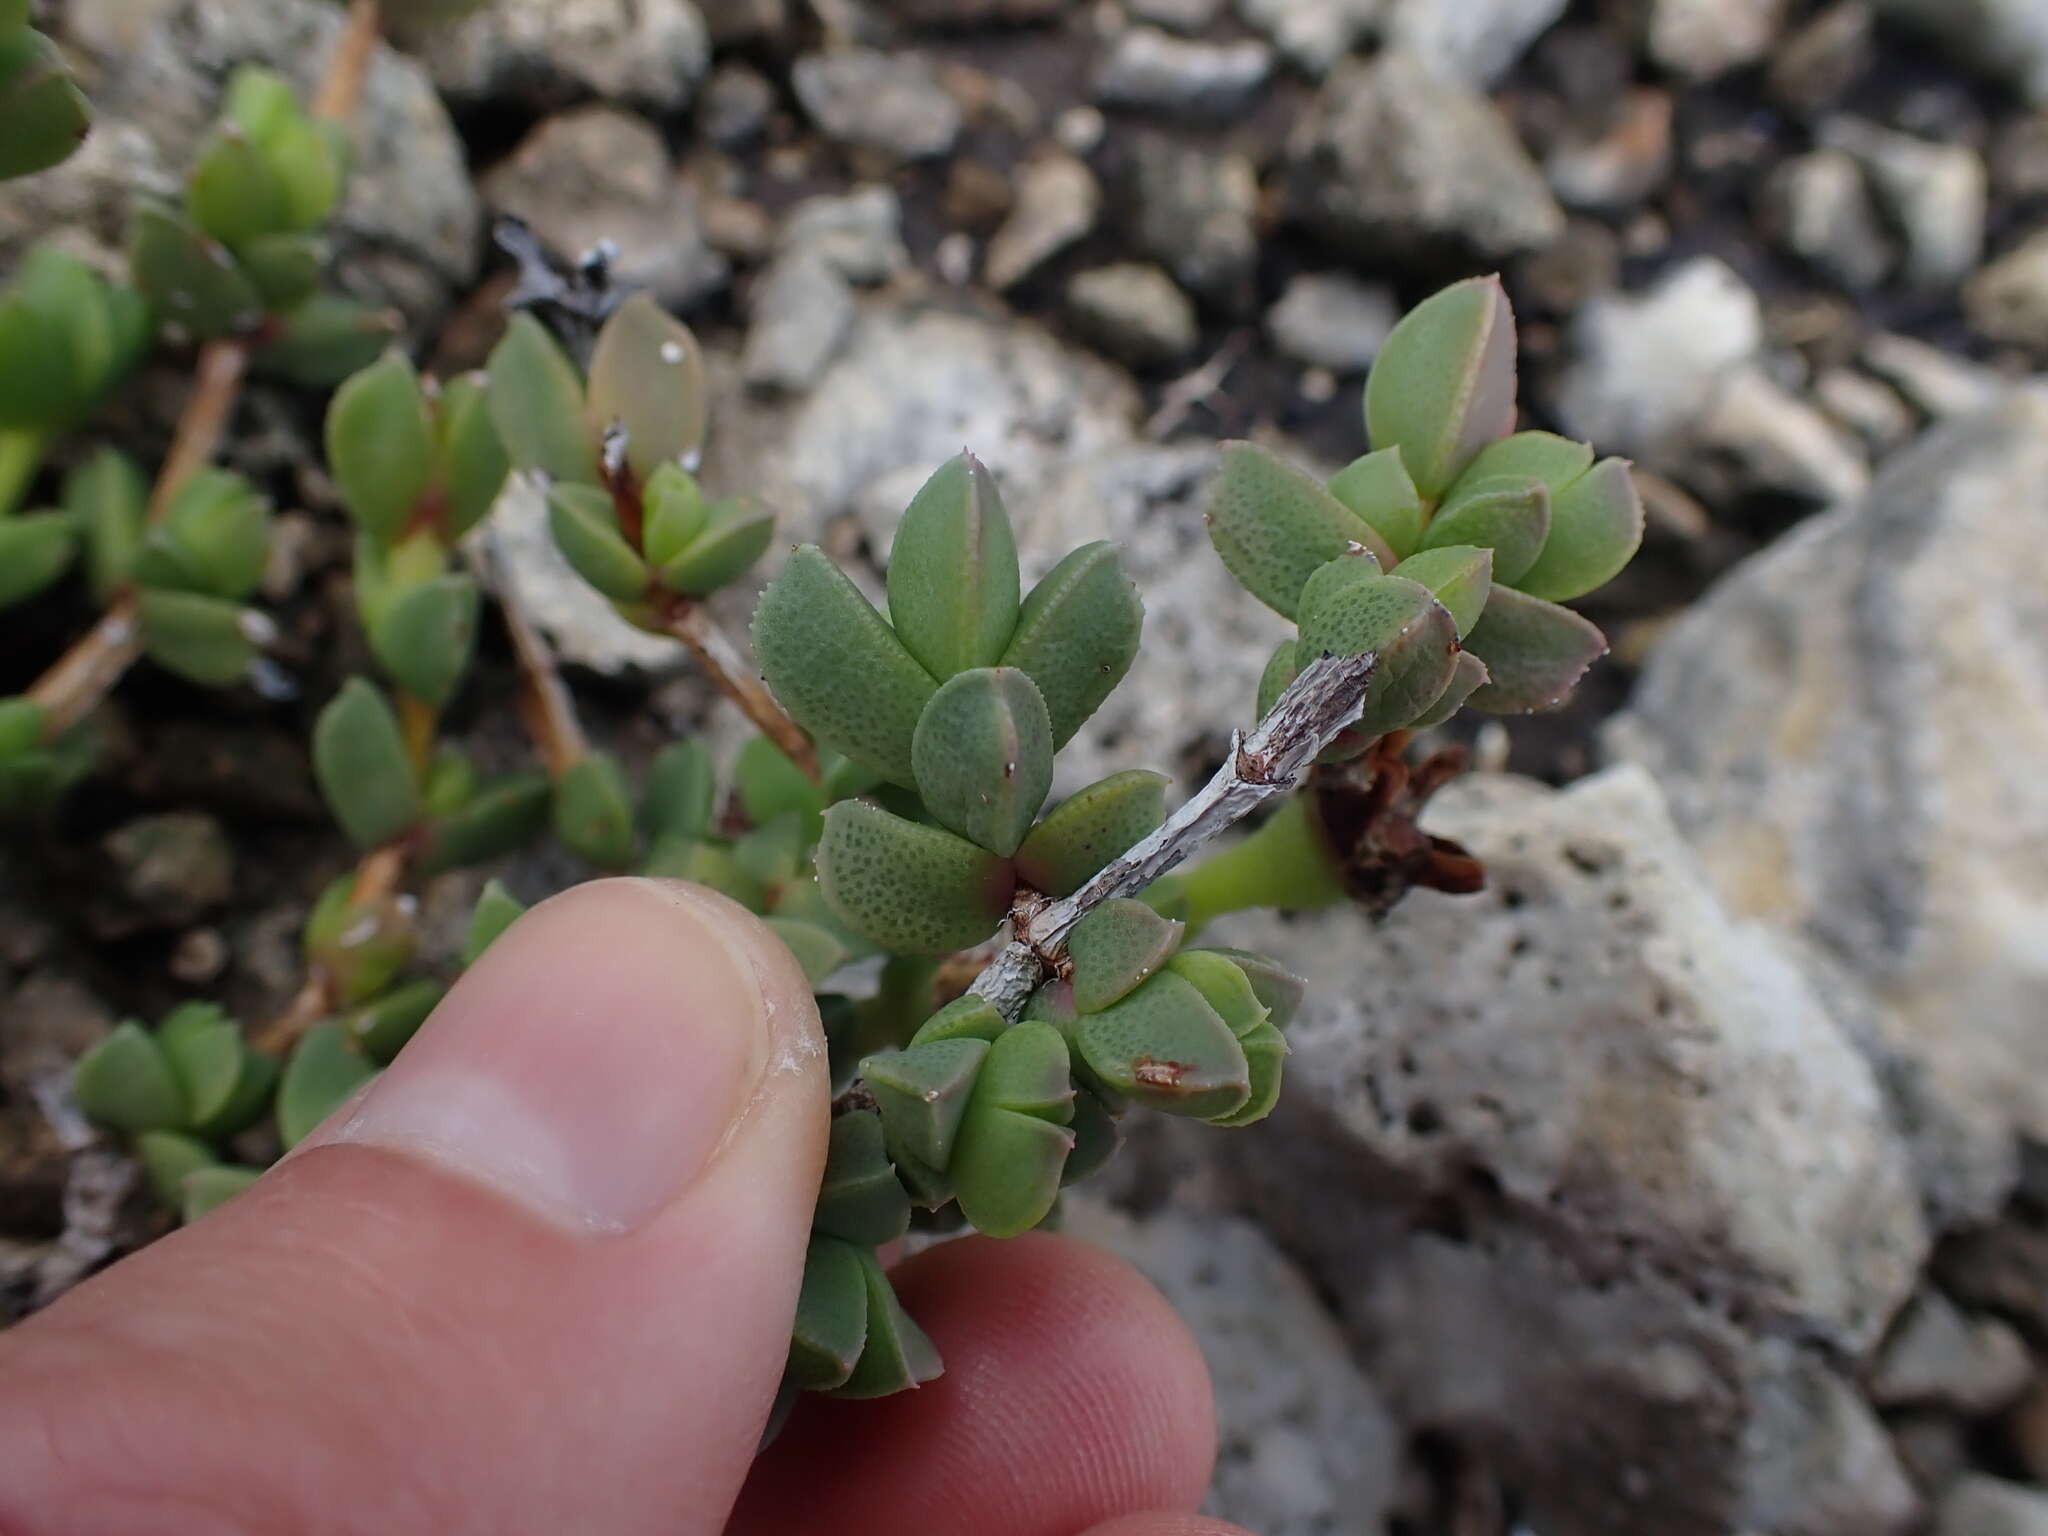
point(540, 1278)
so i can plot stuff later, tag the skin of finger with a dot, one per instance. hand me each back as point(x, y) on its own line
point(1168, 1525)
point(364, 1342)
point(1073, 1394)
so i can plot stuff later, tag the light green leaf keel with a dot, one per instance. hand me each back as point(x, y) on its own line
point(953, 586)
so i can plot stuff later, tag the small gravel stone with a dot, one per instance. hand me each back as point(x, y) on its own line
point(1622, 166)
point(1135, 313)
point(1820, 61)
point(860, 233)
point(1332, 321)
point(1939, 384)
point(1937, 194)
point(1820, 208)
point(1476, 41)
point(801, 310)
point(1197, 214)
point(551, 52)
point(1146, 67)
point(1869, 408)
point(1936, 1357)
point(1700, 39)
point(892, 102)
point(735, 106)
point(1987, 1506)
point(1057, 203)
point(1779, 442)
point(170, 868)
point(1184, 16)
point(2008, 300)
point(1313, 34)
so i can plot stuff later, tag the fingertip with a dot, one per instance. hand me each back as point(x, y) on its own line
point(1168, 1525)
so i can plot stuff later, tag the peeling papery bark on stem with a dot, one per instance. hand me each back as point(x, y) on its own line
point(1262, 767)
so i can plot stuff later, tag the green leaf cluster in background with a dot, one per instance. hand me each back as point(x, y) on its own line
point(43, 116)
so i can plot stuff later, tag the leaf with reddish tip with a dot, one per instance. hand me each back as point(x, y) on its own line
point(1535, 653)
point(1077, 634)
point(1115, 948)
point(1165, 1047)
point(838, 667)
point(1443, 385)
point(1556, 461)
point(1273, 525)
point(647, 376)
point(1089, 828)
point(953, 588)
point(912, 889)
point(983, 756)
point(1509, 516)
point(1596, 526)
point(1467, 678)
point(1377, 487)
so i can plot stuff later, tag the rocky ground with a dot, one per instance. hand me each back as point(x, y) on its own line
point(1694, 1178)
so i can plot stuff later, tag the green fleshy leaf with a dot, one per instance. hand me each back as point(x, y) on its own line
point(1077, 634)
point(897, 1355)
point(506, 813)
point(35, 549)
point(203, 1189)
point(831, 1325)
point(647, 376)
point(108, 500)
point(1274, 526)
point(594, 811)
point(126, 1082)
point(773, 854)
point(860, 1200)
point(496, 910)
point(166, 1157)
point(1443, 385)
point(450, 781)
point(912, 889)
point(817, 949)
point(1459, 575)
point(1097, 1137)
point(1377, 487)
point(234, 195)
point(22, 721)
point(923, 1093)
point(1348, 610)
point(1556, 461)
point(983, 756)
point(1511, 517)
point(381, 1027)
point(1467, 678)
point(672, 513)
point(203, 639)
point(586, 528)
point(469, 455)
point(838, 668)
point(260, 102)
point(1227, 988)
point(1596, 526)
point(1026, 1071)
point(1165, 1047)
point(380, 445)
point(425, 637)
point(204, 1048)
point(968, 1017)
point(1013, 1144)
point(1535, 653)
point(1278, 989)
point(1115, 948)
point(1265, 1053)
point(770, 787)
point(954, 596)
point(711, 864)
point(214, 538)
point(310, 163)
point(254, 1085)
point(43, 114)
point(284, 269)
point(537, 403)
point(190, 281)
point(681, 787)
point(324, 340)
point(737, 533)
point(1280, 670)
point(362, 945)
point(324, 1069)
point(1091, 828)
point(365, 773)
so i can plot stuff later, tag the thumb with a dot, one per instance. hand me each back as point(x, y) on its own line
point(539, 1278)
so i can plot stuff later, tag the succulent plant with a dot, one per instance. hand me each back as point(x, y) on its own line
point(43, 117)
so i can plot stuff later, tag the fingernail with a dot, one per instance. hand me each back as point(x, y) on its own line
point(590, 1064)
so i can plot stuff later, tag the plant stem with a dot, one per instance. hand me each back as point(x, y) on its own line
point(691, 623)
point(377, 875)
point(21, 455)
point(1262, 767)
point(85, 674)
point(1282, 864)
point(341, 88)
point(416, 722)
point(544, 701)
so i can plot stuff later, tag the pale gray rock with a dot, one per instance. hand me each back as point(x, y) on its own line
point(1774, 440)
point(1621, 166)
point(169, 869)
point(800, 311)
point(735, 106)
point(1305, 1446)
point(550, 53)
point(1938, 382)
point(1392, 159)
point(408, 232)
point(891, 102)
point(1848, 727)
point(1819, 62)
point(1145, 67)
point(1328, 320)
point(1313, 34)
point(1133, 311)
point(1987, 1506)
point(1556, 1148)
point(597, 173)
point(1476, 41)
point(1197, 215)
point(2008, 300)
point(860, 233)
point(1820, 208)
point(1938, 1358)
point(52, 1020)
point(1703, 38)
point(1056, 204)
point(1936, 193)
point(1870, 408)
point(2006, 38)
point(1645, 364)
point(1184, 16)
